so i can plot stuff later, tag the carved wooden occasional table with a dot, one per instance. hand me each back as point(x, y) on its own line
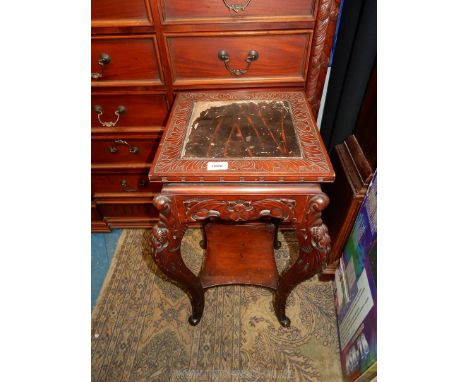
point(240, 163)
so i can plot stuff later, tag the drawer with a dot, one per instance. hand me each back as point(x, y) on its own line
point(123, 182)
point(128, 212)
point(120, 59)
point(120, 13)
point(97, 224)
point(124, 148)
point(282, 57)
point(201, 10)
point(127, 110)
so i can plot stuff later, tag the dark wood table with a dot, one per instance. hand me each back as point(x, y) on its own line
point(240, 163)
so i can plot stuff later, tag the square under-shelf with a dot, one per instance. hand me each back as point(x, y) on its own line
point(239, 254)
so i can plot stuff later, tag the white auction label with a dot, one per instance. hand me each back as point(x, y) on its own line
point(217, 166)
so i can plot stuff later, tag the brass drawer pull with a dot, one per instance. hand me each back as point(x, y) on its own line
point(98, 109)
point(251, 56)
point(237, 7)
point(131, 149)
point(104, 59)
point(124, 185)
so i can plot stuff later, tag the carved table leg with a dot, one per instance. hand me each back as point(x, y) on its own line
point(203, 240)
point(276, 243)
point(166, 239)
point(314, 245)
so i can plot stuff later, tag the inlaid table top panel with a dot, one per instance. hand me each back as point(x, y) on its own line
point(241, 136)
point(254, 129)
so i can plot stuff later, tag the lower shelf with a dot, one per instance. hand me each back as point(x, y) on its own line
point(239, 254)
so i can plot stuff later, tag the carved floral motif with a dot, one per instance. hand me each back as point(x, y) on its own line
point(320, 239)
point(160, 238)
point(239, 210)
point(167, 233)
point(313, 237)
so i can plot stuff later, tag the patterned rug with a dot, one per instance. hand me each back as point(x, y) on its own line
point(140, 330)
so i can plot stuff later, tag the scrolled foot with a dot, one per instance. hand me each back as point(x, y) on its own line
point(285, 323)
point(277, 244)
point(202, 244)
point(194, 321)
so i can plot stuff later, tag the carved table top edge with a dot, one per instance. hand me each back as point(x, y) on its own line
point(170, 165)
point(228, 178)
point(241, 188)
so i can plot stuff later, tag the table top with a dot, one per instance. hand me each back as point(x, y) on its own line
point(241, 136)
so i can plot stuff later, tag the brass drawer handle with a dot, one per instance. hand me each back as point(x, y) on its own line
point(98, 109)
point(237, 7)
point(104, 59)
point(131, 149)
point(124, 185)
point(251, 56)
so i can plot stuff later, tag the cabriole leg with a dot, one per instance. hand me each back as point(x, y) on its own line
point(314, 243)
point(166, 240)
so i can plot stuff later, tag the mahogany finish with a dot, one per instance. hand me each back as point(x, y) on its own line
point(123, 148)
point(122, 183)
point(218, 11)
point(239, 254)
point(142, 109)
point(324, 31)
point(242, 203)
point(120, 12)
point(299, 205)
point(145, 40)
point(97, 223)
point(132, 58)
point(312, 165)
point(194, 57)
point(127, 211)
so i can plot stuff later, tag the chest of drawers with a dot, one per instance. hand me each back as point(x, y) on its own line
point(143, 52)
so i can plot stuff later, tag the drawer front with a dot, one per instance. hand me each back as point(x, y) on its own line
point(120, 59)
point(119, 212)
point(120, 13)
point(123, 182)
point(282, 57)
point(183, 10)
point(138, 110)
point(123, 149)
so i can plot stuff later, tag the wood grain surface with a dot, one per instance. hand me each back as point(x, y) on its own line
point(282, 57)
point(213, 11)
point(133, 59)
